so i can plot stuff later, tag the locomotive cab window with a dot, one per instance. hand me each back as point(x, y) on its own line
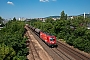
point(52, 39)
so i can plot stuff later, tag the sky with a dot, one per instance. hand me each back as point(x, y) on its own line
point(42, 8)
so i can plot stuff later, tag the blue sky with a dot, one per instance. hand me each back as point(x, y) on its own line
point(42, 8)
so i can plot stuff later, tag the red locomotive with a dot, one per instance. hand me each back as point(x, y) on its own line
point(48, 38)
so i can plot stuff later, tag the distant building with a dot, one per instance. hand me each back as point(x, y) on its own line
point(1, 26)
point(53, 17)
point(21, 19)
point(41, 19)
point(28, 19)
point(71, 17)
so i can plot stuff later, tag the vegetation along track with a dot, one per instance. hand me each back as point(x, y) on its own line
point(72, 52)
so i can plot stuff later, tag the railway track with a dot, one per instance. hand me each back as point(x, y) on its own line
point(62, 52)
point(72, 52)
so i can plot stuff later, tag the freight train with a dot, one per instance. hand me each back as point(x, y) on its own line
point(49, 39)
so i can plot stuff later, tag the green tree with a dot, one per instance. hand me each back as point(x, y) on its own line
point(49, 20)
point(14, 19)
point(6, 52)
point(1, 19)
point(66, 17)
point(63, 16)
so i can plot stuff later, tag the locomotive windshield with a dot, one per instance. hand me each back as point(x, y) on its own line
point(52, 39)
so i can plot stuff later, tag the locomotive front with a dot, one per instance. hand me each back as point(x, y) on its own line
point(52, 41)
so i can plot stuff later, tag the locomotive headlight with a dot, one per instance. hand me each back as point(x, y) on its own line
point(40, 34)
point(51, 41)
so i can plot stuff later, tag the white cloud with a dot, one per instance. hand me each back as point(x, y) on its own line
point(11, 3)
point(44, 0)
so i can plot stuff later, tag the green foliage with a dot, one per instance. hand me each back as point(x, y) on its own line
point(6, 52)
point(13, 42)
point(49, 20)
point(1, 20)
point(63, 16)
point(14, 19)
